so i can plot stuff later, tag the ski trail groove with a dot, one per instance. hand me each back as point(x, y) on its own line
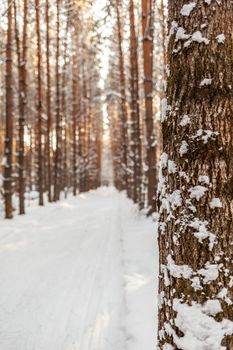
point(62, 276)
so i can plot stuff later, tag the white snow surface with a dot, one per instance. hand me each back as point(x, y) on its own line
point(79, 275)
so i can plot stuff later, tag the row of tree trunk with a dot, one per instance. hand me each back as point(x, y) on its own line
point(135, 151)
point(53, 128)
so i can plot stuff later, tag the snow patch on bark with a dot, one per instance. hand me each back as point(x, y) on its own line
point(197, 37)
point(171, 167)
point(175, 199)
point(202, 232)
point(206, 81)
point(184, 175)
point(181, 34)
point(205, 135)
point(163, 160)
point(215, 203)
point(171, 201)
point(185, 120)
point(220, 38)
point(187, 9)
point(196, 283)
point(165, 275)
point(183, 148)
point(201, 331)
point(231, 282)
point(197, 192)
point(178, 271)
point(210, 273)
point(212, 307)
point(204, 179)
point(161, 299)
point(223, 295)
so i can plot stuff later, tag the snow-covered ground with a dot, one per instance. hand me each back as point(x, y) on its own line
point(79, 275)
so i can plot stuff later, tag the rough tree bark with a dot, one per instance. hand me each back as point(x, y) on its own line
point(196, 180)
point(9, 119)
point(147, 34)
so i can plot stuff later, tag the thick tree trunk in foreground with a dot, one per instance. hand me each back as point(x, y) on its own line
point(134, 110)
point(196, 180)
point(9, 120)
point(147, 32)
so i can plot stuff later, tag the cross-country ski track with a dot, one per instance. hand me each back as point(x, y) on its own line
point(79, 274)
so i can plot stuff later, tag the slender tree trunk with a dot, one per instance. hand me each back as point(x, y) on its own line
point(196, 181)
point(22, 71)
point(64, 117)
point(147, 32)
point(123, 106)
point(163, 27)
point(98, 152)
point(48, 104)
point(83, 140)
point(81, 136)
point(30, 159)
point(65, 158)
point(9, 120)
point(89, 128)
point(39, 105)
point(74, 124)
point(57, 169)
point(135, 113)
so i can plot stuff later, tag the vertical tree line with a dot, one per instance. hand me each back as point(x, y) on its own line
point(52, 128)
point(134, 102)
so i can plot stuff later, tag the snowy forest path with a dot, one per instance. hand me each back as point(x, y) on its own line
point(64, 277)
